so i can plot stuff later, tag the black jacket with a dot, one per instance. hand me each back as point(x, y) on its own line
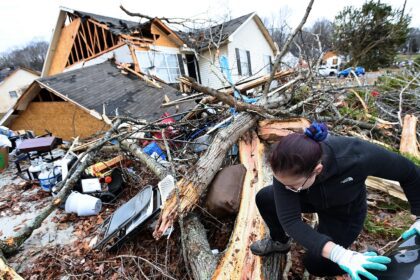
point(347, 162)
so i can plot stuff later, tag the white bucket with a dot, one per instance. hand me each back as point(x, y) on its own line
point(72, 201)
point(88, 205)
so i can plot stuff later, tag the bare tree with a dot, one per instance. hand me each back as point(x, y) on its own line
point(30, 56)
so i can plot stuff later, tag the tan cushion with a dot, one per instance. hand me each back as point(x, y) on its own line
point(224, 195)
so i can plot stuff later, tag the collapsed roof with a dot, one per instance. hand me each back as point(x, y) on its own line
point(104, 87)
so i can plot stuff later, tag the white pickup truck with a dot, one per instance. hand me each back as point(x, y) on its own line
point(326, 71)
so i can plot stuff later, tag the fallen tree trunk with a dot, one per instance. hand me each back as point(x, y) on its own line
point(408, 143)
point(202, 261)
point(194, 184)
point(238, 262)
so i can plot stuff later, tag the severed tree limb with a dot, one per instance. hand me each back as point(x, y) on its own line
point(228, 99)
point(285, 49)
point(12, 244)
point(202, 261)
point(160, 171)
point(195, 183)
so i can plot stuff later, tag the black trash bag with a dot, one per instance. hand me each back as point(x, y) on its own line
point(405, 261)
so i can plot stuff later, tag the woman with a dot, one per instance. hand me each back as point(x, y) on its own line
point(314, 173)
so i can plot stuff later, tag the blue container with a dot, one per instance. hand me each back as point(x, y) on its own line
point(154, 148)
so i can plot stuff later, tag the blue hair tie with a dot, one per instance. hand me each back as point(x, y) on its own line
point(317, 131)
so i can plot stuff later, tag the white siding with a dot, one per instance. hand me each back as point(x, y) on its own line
point(208, 63)
point(249, 37)
point(17, 81)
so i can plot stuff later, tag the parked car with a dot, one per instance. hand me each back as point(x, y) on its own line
point(325, 71)
point(359, 71)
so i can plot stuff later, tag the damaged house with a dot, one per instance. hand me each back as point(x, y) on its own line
point(97, 66)
point(13, 83)
point(70, 104)
point(234, 50)
point(82, 39)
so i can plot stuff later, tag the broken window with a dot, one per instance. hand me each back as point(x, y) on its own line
point(243, 61)
point(164, 65)
point(13, 94)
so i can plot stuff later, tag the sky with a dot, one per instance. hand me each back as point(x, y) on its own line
point(24, 20)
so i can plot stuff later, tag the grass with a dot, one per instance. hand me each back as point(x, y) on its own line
point(401, 57)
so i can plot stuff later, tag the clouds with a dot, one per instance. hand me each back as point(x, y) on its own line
point(24, 20)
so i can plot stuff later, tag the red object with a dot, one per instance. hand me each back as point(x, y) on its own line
point(169, 131)
point(108, 179)
point(374, 93)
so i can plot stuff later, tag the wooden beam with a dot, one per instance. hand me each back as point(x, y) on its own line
point(80, 45)
point(88, 48)
point(134, 57)
point(144, 78)
point(64, 47)
point(104, 36)
point(97, 38)
point(90, 36)
point(112, 39)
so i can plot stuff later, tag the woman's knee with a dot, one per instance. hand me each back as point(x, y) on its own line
point(264, 197)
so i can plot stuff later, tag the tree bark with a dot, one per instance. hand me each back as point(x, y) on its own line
point(202, 261)
point(195, 183)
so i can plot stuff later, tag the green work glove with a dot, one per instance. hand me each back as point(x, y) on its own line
point(355, 263)
point(414, 229)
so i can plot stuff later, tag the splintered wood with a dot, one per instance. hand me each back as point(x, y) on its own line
point(238, 262)
point(273, 130)
point(409, 143)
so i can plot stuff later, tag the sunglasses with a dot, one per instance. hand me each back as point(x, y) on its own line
point(290, 188)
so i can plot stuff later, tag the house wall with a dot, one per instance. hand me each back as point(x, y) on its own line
point(63, 119)
point(249, 37)
point(330, 60)
point(208, 64)
point(17, 81)
point(163, 40)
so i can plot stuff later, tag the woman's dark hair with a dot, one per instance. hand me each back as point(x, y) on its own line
point(297, 153)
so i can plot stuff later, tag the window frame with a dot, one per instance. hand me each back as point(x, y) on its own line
point(170, 77)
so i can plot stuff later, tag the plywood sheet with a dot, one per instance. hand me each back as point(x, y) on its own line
point(65, 43)
point(63, 119)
